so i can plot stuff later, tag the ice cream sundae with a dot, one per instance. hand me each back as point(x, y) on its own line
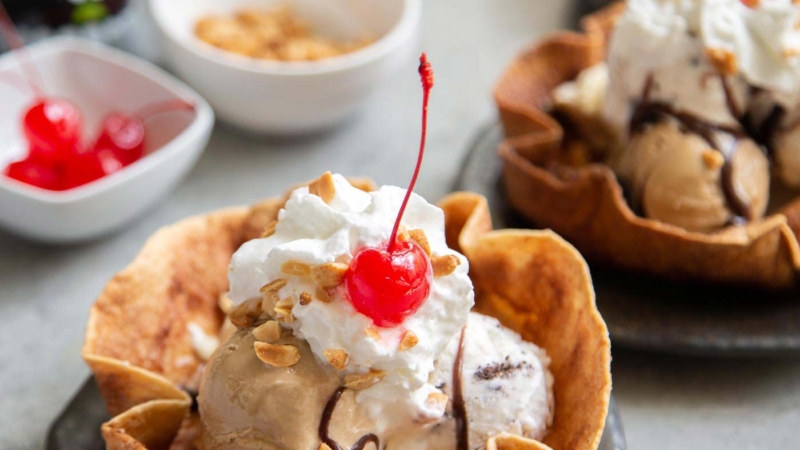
point(700, 97)
point(671, 124)
point(342, 319)
point(355, 330)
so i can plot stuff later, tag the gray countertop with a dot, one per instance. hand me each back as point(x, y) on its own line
point(45, 292)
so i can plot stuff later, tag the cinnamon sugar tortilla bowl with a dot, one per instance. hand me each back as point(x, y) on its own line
point(584, 202)
point(140, 350)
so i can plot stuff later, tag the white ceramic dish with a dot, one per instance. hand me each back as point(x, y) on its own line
point(98, 79)
point(289, 98)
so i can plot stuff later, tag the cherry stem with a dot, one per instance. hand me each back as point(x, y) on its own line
point(11, 36)
point(426, 76)
point(155, 109)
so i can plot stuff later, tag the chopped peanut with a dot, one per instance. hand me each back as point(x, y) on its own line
point(337, 358)
point(277, 355)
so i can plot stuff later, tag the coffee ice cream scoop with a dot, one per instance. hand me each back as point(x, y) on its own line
point(679, 177)
point(246, 404)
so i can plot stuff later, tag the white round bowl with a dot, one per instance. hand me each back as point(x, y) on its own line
point(272, 97)
point(98, 79)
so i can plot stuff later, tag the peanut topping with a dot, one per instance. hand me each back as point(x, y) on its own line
point(273, 286)
point(225, 304)
point(373, 334)
point(283, 309)
point(305, 298)
point(278, 34)
point(268, 331)
point(277, 355)
point(296, 268)
point(790, 52)
point(409, 340)
point(269, 230)
point(713, 159)
point(243, 315)
point(337, 358)
point(437, 398)
point(402, 233)
point(418, 236)
point(359, 381)
point(444, 265)
point(268, 302)
point(723, 60)
point(329, 275)
point(322, 295)
point(323, 187)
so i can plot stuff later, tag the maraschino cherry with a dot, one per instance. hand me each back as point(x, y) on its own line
point(389, 284)
point(123, 133)
point(35, 174)
point(53, 129)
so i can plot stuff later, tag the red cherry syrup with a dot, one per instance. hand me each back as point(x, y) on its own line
point(389, 284)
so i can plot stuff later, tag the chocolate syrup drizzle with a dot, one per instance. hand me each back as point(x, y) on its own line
point(649, 112)
point(325, 422)
point(459, 405)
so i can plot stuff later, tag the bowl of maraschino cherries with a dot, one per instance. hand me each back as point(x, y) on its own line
point(90, 138)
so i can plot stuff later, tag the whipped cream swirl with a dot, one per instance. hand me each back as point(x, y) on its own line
point(313, 232)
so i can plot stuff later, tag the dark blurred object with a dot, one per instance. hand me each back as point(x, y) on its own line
point(107, 21)
point(583, 7)
point(55, 13)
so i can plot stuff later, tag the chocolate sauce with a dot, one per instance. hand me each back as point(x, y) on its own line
point(192, 393)
point(459, 405)
point(325, 422)
point(769, 127)
point(730, 100)
point(648, 112)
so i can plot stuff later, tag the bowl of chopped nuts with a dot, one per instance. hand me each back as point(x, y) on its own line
point(286, 66)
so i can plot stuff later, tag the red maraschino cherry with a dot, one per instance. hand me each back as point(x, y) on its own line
point(389, 284)
point(87, 165)
point(123, 133)
point(53, 129)
point(34, 173)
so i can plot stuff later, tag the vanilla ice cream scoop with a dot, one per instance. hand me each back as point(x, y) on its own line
point(704, 56)
point(322, 235)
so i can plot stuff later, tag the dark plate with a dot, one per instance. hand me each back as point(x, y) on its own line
point(78, 426)
point(650, 313)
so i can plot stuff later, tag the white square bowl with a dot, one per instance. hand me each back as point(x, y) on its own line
point(98, 79)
